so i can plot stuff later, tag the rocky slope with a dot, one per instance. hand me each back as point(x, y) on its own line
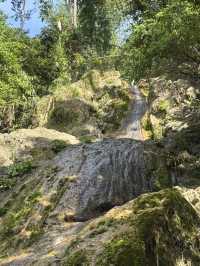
point(172, 118)
point(92, 178)
point(49, 203)
point(173, 105)
point(63, 202)
point(94, 105)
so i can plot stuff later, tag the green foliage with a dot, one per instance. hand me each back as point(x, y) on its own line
point(164, 105)
point(36, 233)
point(165, 41)
point(78, 258)
point(95, 25)
point(21, 168)
point(32, 67)
point(128, 250)
point(58, 145)
point(86, 139)
point(29, 68)
point(15, 83)
point(3, 211)
point(17, 90)
point(12, 219)
point(6, 183)
point(46, 60)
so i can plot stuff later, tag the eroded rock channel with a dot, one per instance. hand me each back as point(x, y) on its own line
point(131, 127)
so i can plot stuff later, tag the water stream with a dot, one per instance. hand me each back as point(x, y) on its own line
point(131, 127)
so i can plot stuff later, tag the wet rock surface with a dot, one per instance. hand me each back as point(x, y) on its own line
point(131, 127)
point(56, 198)
point(105, 174)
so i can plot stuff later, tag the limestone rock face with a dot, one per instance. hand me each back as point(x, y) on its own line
point(173, 105)
point(22, 144)
point(105, 174)
point(50, 202)
point(173, 118)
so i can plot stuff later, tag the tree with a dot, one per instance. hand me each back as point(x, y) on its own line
point(15, 84)
point(95, 25)
point(165, 42)
point(72, 6)
point(21, 13)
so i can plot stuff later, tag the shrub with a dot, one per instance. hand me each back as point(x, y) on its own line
point(58, 145)
point(19, 169)
point(6, 183)
point(164, 105)
point(86, 139)
point(3, 211)
point(78, 258)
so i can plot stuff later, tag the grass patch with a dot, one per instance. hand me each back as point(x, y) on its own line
point(21, 168)
point(58, 145)
point(6, 183)
point(13, 219)
point(78, 258)
point(86, 139)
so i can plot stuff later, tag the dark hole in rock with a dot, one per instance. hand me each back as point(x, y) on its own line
point(69, 218)
point(104, 207)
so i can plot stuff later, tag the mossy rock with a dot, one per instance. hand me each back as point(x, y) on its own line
point(78, 258)
point(146, 126)
point(96, 98)
point(144, 87)
point(159, 231)
point(126, 250)
point(163, 179)
point(86, 139)
point(156, 126)
point(58, 145)
point(164, 105)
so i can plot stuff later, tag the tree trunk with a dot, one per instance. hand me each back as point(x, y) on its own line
point(75, 11)
point(72, 6)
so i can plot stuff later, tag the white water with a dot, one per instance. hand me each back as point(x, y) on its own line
point(132, 125)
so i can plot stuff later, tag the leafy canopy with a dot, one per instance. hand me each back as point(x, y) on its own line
point(169, 40)
point(15, 83)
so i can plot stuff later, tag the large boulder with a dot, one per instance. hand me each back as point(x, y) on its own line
point(25, 144)
point(80, 183)
point(153, 229)
point(95, 104)
point(49, 210)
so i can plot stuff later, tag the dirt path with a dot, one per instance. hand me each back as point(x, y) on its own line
point(131, 128)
